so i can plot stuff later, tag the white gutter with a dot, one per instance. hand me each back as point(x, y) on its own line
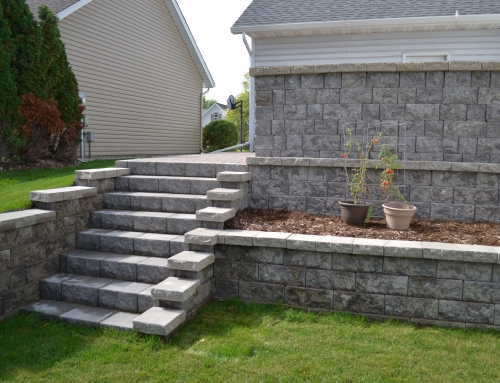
point(75, 7)
point(245, 41)
point(371, 23)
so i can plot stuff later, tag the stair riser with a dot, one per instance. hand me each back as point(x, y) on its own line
point(135, 272)
point(202, 294)
point(159, 185)
point(182, 205)
point(159, 225)
point(95, 296)
point(182, 169)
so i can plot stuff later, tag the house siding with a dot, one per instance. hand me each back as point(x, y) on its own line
point(468, 45)
point(141, 83)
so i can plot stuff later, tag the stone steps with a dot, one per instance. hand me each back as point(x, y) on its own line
point(155, 202)
point(127, 267)
point(166, 184)
point(151, 222)
point(82, 314)
point(115, 294)
point(130, 242)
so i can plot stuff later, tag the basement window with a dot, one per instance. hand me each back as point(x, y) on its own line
point(425, 57)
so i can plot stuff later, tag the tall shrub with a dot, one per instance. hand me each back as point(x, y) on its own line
point(219, 134)
point(9, 100)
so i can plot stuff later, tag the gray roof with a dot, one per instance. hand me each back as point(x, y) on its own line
point(55, 6)
point(263, 12)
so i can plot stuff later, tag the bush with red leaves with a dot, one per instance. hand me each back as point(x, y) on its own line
point(47, 135)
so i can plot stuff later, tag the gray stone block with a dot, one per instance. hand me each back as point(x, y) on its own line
point(475, 196)
point(82, 289)
point(314, 112)
point(358, 303)
point(464, 129)
point(171, 169)
point(381, 284)
point(456, 112)
point(431, 194)
point(467, 145)
point(175, 289)
point(293, 142)
point(403, 249)
point(481, 292)
point(12, 278)
point(385, 96)
point(435, 288)
point(434, 79)
point(145, 201)
point(278, 97)
point(311, 298)
point(392, 111)
point(120, 321)
point(412, 79)
point(466, 312)
point(252, 291)
point(271, 239)
point(178, 203)
point(357, 263)
point(453, 179)
point(411, 307)
point(407, 95)
point(369, 246)
point(333, 80)
point(282, 275)
point(459, 79)
point(328, 96)
point(356, 95)
point(310, 259)
point(371, 112)
point(118, 242)
point(121, 295)
point(476, 112)
point(312, 81)
point(160, 320)
point(452, 212)
point(141, 167)
point(285, 202)
point(236, 270)
point(143, 184)
point(488, 213)
point(342, 111)
point(153, 245)
point(300, 97)
point(88, 316)
point(295, 112)
point(49, 308)
point(291, 82)
point(299, 127)
point(489, 95)
point(152, 222)
point(465, 270)
point(429, 95)
point(117, 200)
point(411, 267)
point(331, 280)
point(118, 220)
point(353, 80)
point(489, 146)
point(460, 95)
point(382, 80)
point(493, 112)
point(153, 270)
point(120, 266)
point(417, 112)
point(263, 97)
point(222, 288)
point(269, 82)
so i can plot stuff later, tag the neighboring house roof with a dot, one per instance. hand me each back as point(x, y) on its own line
point(64, 8)
point(264, 12)
point(281, 18)
point(214, 107)
point(222, 106)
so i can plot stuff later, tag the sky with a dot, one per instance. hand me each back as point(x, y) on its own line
point(224, 53)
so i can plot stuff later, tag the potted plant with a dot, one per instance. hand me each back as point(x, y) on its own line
point(354, 211)
point(398, 214)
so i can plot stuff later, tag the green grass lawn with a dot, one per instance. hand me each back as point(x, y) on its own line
point(236, 342)
point(15, 185)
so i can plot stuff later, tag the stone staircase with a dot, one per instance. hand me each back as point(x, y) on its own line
point(132, 268)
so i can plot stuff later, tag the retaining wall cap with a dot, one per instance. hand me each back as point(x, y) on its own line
point(98, 174)
point(234, 176)
point(202, 236)
point(369, 246)
point(62, 194)
point(239, 237)
point(23, 218)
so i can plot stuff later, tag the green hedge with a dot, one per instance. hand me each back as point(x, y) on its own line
point(219, 134)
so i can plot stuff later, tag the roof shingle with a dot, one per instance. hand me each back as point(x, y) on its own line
point(264, 12)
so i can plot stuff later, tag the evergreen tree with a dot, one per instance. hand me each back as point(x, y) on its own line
point(30, 59)
point(60, 79)
point(9, 100)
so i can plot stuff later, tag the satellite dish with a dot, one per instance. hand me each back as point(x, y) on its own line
point(231, 102)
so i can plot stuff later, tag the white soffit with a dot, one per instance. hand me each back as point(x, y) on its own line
point(406, 24)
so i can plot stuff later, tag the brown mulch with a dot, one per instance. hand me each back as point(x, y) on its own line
point(473, 233)
point(8, 164)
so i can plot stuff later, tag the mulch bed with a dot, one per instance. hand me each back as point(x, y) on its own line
point(473, 233)
point(8, 164)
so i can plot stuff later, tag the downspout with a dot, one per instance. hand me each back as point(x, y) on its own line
point(201, 122)
point(251, 117)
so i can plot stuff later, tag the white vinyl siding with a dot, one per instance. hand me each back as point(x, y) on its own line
point(141, 84)
point(468, 45)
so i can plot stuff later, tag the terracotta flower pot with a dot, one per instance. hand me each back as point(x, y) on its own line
point(353, 214)
point(398, 215)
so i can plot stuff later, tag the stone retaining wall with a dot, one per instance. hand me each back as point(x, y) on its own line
point(450, 110)
point(425, 283)
point(440, 190)
point(31, 240)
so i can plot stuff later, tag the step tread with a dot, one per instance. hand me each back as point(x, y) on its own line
point(159, 321)
point(190, 261)
point(175, 289)
point(171, 177)
point(215, 214)
point(151, 194)
point(88, 315)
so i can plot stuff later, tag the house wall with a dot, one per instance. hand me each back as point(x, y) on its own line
point(142, 86)
point(462, 45)
point(425, 283)
point(207, 116)
point(431, 111)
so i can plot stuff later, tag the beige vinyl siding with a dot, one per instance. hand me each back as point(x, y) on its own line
point(141, 83)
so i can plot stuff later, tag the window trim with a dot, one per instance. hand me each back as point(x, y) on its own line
point(448, 55)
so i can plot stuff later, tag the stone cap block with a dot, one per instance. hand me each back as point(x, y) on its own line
point(203, 236)
point(464, 167)
point(381, 67)
point(490, 65)
point(331, 244)
point(489, 168)
point(271, 239)
point(190, 261)
point(22, 218)
point(465, 65)
point(159, 321)
point(269, 161)
point(294, 161)
point(301, 242)
point(434, 165)
point(368, 246)
point(239, 237)
point(222, 194)
point(234, 176)
point(99, 174)
point(62, 194)
point(175, 289)
point(460, 252)
point(256, 72)
point(276, 70)
point(326, 68)
point(409, 67)
point(403, 249)
point(215, 214)
point(302, 69)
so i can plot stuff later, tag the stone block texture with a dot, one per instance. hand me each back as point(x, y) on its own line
point(449, 115)
point(460, 293)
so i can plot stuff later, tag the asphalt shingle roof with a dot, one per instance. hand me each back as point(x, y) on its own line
point(263, 12)
point(55, 6)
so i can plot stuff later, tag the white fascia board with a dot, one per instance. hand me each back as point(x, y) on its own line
point(371, 23)
point(209, 109)
point(187, 36)
point(72, 8)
